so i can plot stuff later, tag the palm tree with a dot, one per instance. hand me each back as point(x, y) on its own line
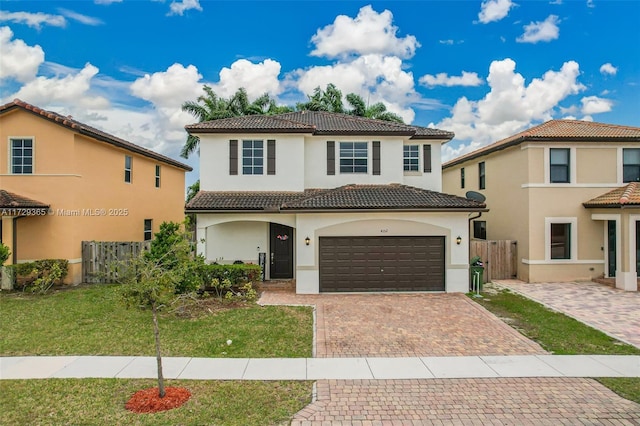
point(377, 111)
point(329, 100)
point(210, 106)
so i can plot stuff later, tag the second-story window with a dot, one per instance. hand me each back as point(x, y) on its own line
point(22, 156)
point(157, 176)
point(252, 157)
point(631, 165)
point(482, 184)
point(462, 178)
point(353, 157)
point(128, 171)
point(559, 165)
point(411, 158)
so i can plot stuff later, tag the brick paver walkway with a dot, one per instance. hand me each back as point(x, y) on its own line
point(536, 401)
point(614, 311)
point(405, 325)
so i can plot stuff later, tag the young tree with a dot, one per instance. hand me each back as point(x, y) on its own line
point(154, 278)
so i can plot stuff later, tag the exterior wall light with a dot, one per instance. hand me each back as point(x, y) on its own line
point(458, 240)
point(307, 241)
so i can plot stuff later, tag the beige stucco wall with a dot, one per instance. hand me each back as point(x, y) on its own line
point(596, 165)
point(75, 175)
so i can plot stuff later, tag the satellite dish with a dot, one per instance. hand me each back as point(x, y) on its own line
point(475, 196)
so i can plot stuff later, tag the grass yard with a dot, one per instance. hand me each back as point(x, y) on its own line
point(560, 334)
point(101, 401)
point(91, 320)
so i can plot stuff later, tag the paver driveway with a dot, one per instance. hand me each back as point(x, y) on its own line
point(405, 325)
point(614, 311)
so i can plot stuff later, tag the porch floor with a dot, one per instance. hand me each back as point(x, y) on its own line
point(611, 282)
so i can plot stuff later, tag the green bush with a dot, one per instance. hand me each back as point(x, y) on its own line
point(231, 282)
point(4, 253)
point(41, 275)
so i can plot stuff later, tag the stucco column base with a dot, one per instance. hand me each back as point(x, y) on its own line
point(627, 281)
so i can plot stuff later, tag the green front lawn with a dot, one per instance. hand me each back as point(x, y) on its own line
point(91, 320)
point(560, 334)
point(101, 402)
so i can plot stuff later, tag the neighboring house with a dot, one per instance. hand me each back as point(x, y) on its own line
point(63, 182)
point(544, 187)
point(340, 203)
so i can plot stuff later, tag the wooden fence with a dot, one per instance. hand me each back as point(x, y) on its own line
point(103, 261)
point(500, 258)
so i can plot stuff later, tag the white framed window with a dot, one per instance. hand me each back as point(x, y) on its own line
point(128, 168)
point(560, 166)
point(561, 239)
point(411, 158)
point(21, 156)
point(252, 157)
point(157, 180)
point(630, 165)
point(354, 157)
point(148, 229)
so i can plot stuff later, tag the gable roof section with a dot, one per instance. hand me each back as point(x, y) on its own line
point(628, 195)
point(344, 198)
point(316, 123)
point(89, 131)
point(10, 200)
point(558, 131)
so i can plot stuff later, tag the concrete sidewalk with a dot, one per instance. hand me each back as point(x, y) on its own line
point(43, 367)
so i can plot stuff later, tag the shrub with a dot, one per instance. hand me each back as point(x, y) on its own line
point(4, 253)
point(231, 282)
point(41, 275)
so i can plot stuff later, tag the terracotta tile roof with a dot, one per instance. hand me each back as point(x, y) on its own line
point(628, 195)
point(92, 132)
point(316, 123)
point(9, 200)
point(348, 197)
point(558, 131)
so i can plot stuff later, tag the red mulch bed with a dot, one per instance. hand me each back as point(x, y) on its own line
point(149, 401)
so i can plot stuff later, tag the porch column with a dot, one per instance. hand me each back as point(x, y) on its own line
point(627, 277)
point(7, 236)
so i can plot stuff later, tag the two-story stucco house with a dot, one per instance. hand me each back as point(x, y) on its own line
point(553, 188)
point(63, 182)
point(336, 202)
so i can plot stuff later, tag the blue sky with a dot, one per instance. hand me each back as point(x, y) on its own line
point(483, 69)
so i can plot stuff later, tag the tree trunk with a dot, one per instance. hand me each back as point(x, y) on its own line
point(156, 332)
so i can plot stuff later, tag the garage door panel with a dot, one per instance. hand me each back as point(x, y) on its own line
point(381, 263)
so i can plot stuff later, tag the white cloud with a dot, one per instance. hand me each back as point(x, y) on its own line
point(368, 33)
point(442, 79)
point(169, 88)
point(71, 89)
point(257, 79)
point(595, 105)
point(510, 106)
point(34, 20)
point(494, 10)
point(375, 77)
point(608, 69)
point(546, 30)
point(83, 19)
point(106, 2)
point(179, 7)
point(18, 60)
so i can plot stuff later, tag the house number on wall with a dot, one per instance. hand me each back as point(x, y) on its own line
point(384, 231)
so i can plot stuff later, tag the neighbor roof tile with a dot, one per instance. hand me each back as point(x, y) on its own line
point(628, 195)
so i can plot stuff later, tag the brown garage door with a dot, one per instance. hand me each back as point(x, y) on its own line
point(381, 264)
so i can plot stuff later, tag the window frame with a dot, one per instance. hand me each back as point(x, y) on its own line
point(635, 165)
point(158, 176)
point(148, 231)
point(414, 160)
point(571, 239)
point(128, 171)
point(256, 160)
point(480, 227)
point(482, 175)
point(11, 155)
point(567, 166)
point(357, 147)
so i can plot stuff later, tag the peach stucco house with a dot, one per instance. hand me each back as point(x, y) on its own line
point(63, 182)
point(566, 191)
